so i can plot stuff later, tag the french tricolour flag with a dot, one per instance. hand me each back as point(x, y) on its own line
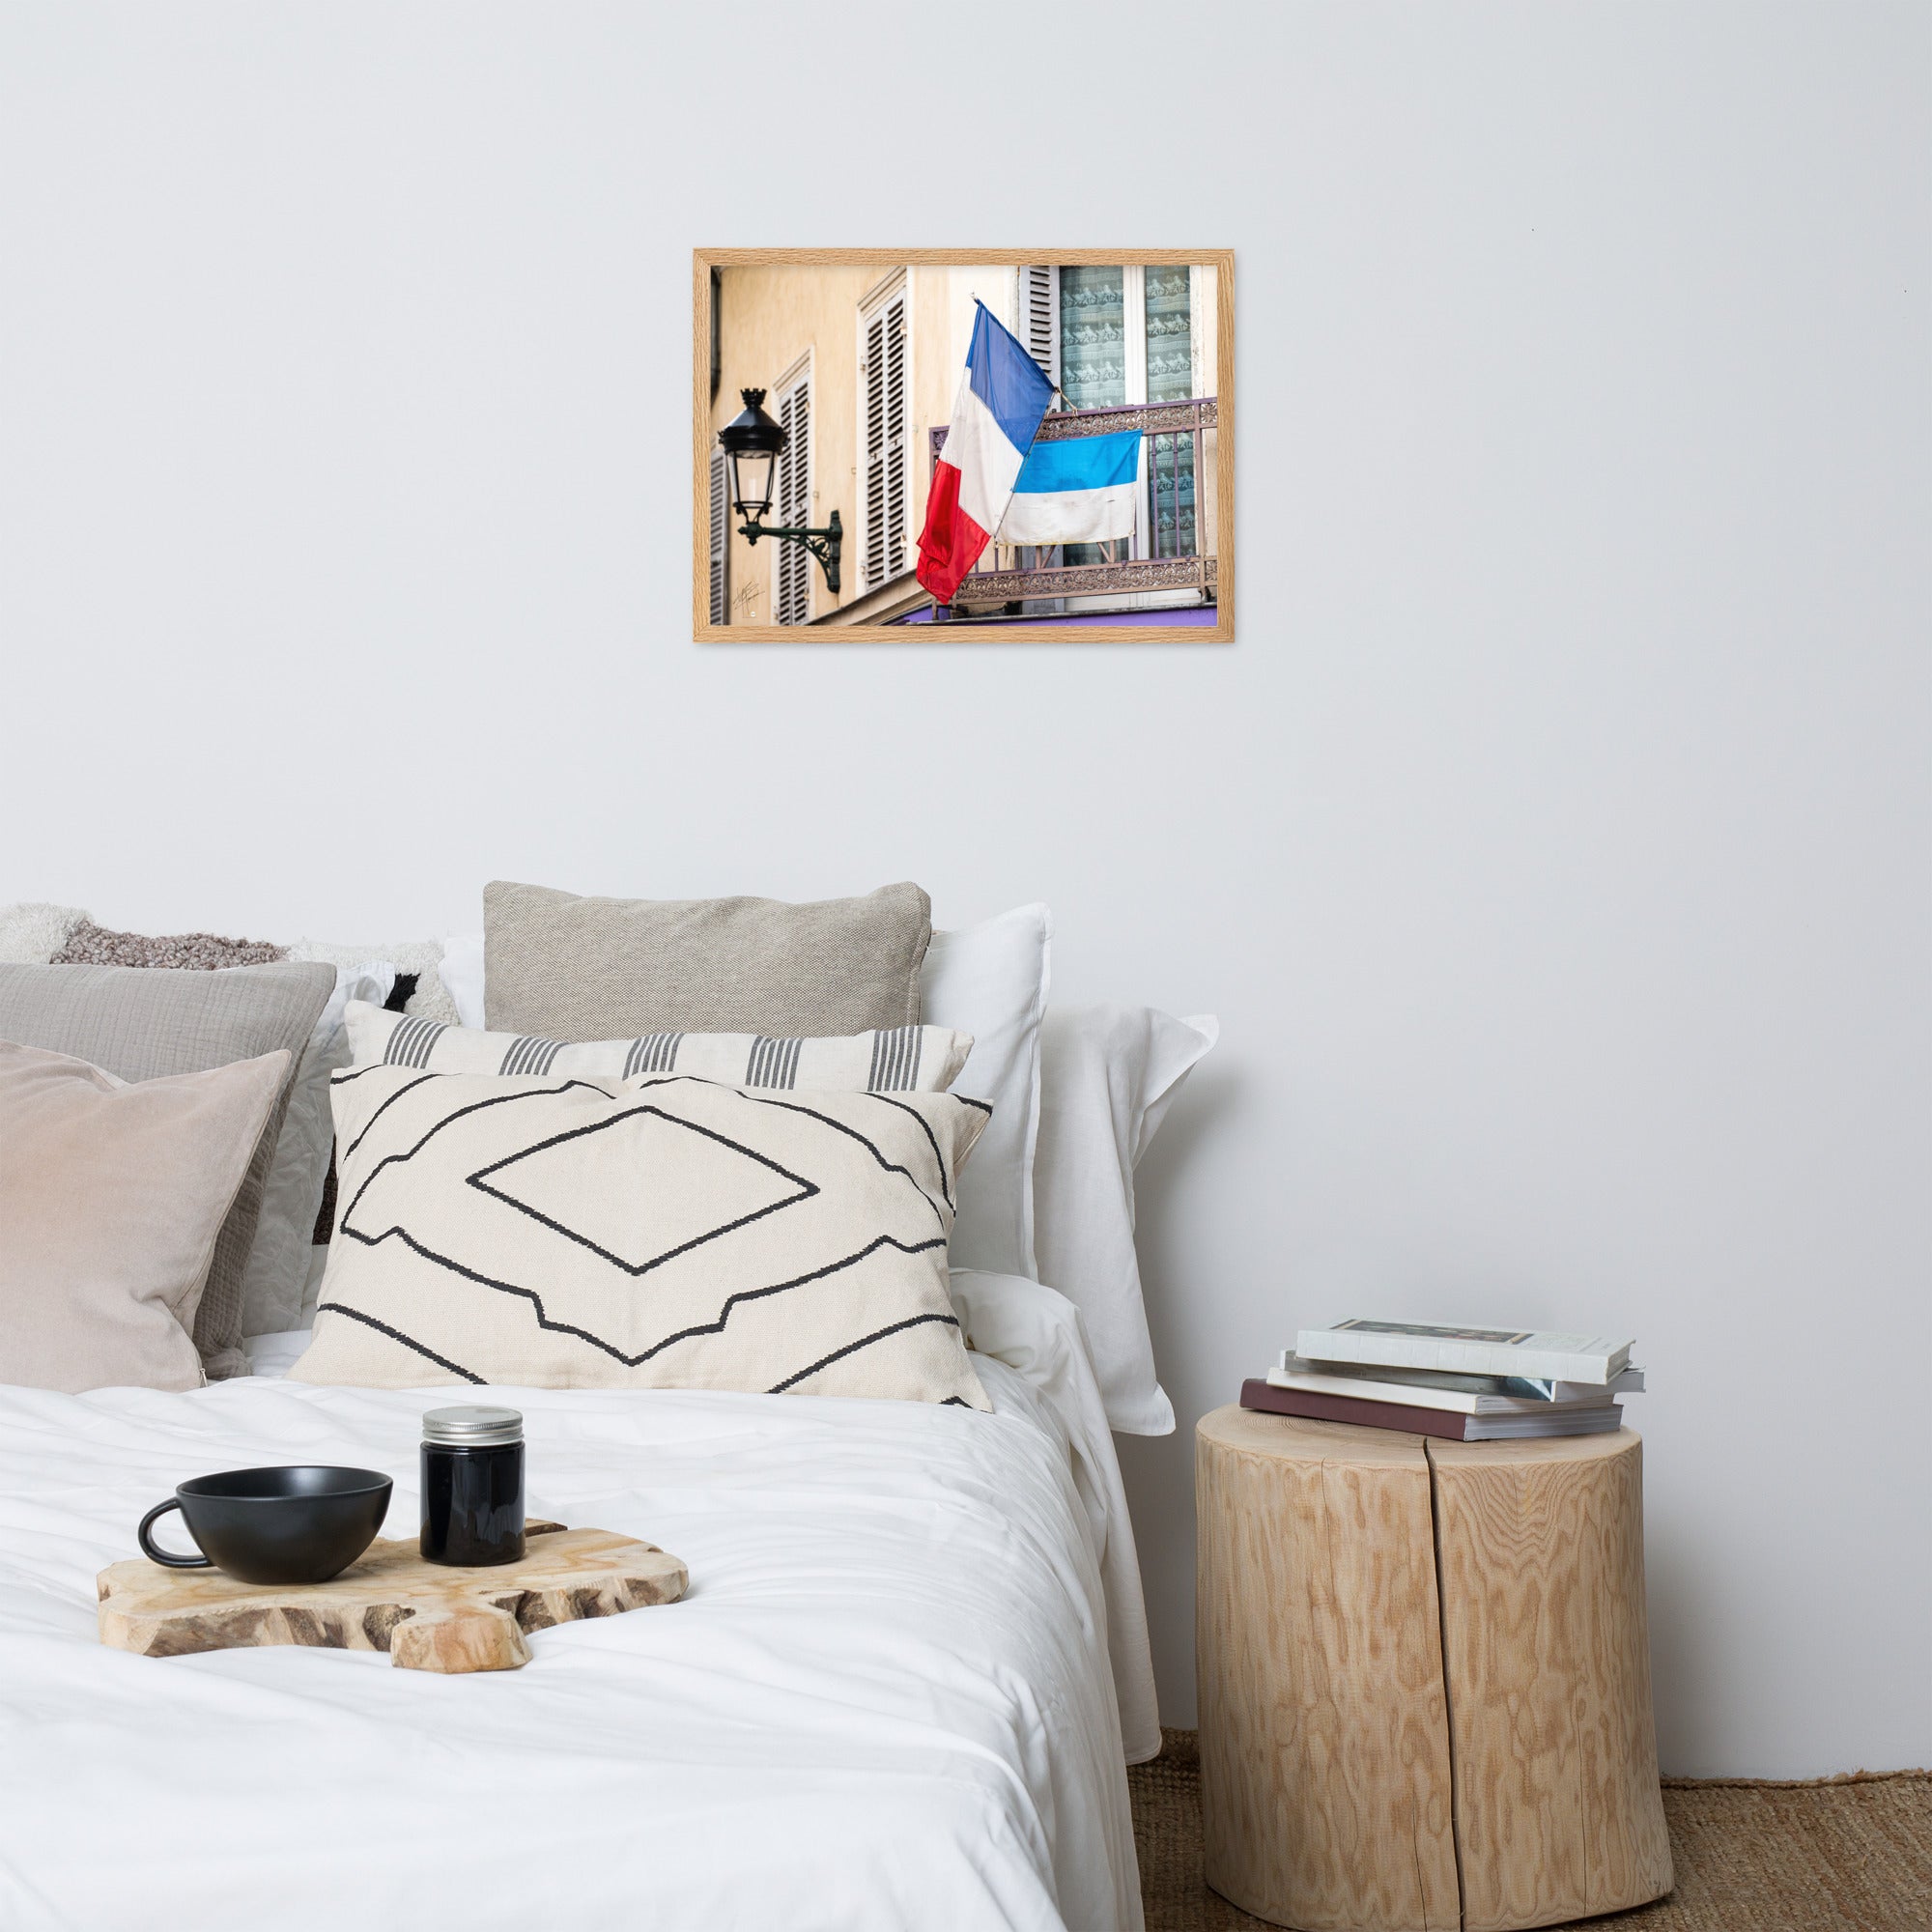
point(1001, 398)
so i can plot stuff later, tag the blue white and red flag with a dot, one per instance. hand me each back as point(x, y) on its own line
point(1001, 398)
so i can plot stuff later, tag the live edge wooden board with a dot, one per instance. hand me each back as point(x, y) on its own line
point(1425, 1677)
point(426, 1615)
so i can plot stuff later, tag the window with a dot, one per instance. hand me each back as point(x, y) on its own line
point(1093, 338)
point(1093, 360)
point(1169, 313)
point(1125, 335)
point(791, 562)
point(721, 540)
point(883, 433)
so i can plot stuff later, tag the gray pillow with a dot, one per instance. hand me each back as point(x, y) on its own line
point(574, 969)
point(142, 1024)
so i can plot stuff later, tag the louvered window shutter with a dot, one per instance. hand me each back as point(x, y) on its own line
point(887, 482)
point(721, 540)
point(897, 455)
point(1040, 317)
point(794, 503)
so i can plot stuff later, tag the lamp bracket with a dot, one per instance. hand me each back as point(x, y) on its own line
point(824, 544)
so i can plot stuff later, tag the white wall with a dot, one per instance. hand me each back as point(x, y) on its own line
point(1552, 843)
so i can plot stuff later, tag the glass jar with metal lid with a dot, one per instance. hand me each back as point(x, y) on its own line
point(473, 1486)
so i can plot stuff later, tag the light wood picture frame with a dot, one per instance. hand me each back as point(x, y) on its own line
point(859, 353)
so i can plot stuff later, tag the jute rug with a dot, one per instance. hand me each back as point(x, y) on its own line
point(1849, 1854)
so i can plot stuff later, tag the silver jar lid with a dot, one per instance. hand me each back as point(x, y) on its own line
point(473, 1427)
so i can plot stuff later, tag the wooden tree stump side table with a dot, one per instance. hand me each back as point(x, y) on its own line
point(1326, 1797)
point(1425, 1678)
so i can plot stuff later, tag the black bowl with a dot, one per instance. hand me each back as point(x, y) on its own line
point(301, 1525)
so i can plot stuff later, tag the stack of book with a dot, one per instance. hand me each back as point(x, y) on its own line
point(1468, 1384)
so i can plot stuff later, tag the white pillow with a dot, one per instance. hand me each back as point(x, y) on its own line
point(1109, 1075)
point(277, 1265)
point(461, 975)
point(991, 980)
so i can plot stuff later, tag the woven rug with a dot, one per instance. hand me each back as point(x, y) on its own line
point(1844, 1855)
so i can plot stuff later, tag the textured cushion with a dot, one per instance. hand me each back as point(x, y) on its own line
point(32, 933)
point(657, 1232)
point(53, 935)
point(924, 1060)
point(990, 980)
point(419, 960)
point(569, 968)
point(111, 1197)
point(140, 1025)
point(90, 944)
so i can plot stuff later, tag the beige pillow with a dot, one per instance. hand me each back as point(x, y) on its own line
point(656, 1233)
point(141, 1025)
point(112, 1195)
point(568, 968)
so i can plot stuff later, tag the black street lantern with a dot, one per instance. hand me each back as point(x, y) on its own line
point(752, 444)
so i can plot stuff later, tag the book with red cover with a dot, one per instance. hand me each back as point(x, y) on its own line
point(1308, 1403)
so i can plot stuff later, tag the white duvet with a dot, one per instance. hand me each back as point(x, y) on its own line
point(887, 1701)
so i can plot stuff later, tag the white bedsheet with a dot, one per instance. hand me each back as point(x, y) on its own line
point(886, 1701)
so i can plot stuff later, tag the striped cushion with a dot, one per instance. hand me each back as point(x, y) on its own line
point(897, 1060)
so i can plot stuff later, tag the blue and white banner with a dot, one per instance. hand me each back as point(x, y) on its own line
point(1084, 489)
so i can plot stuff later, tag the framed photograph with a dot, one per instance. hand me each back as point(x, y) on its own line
point(963, 446)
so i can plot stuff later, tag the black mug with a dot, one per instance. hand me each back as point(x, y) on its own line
point(301, 1525)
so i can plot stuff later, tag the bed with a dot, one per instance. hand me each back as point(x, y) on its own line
point(901, 1690)
point(912, 1663)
